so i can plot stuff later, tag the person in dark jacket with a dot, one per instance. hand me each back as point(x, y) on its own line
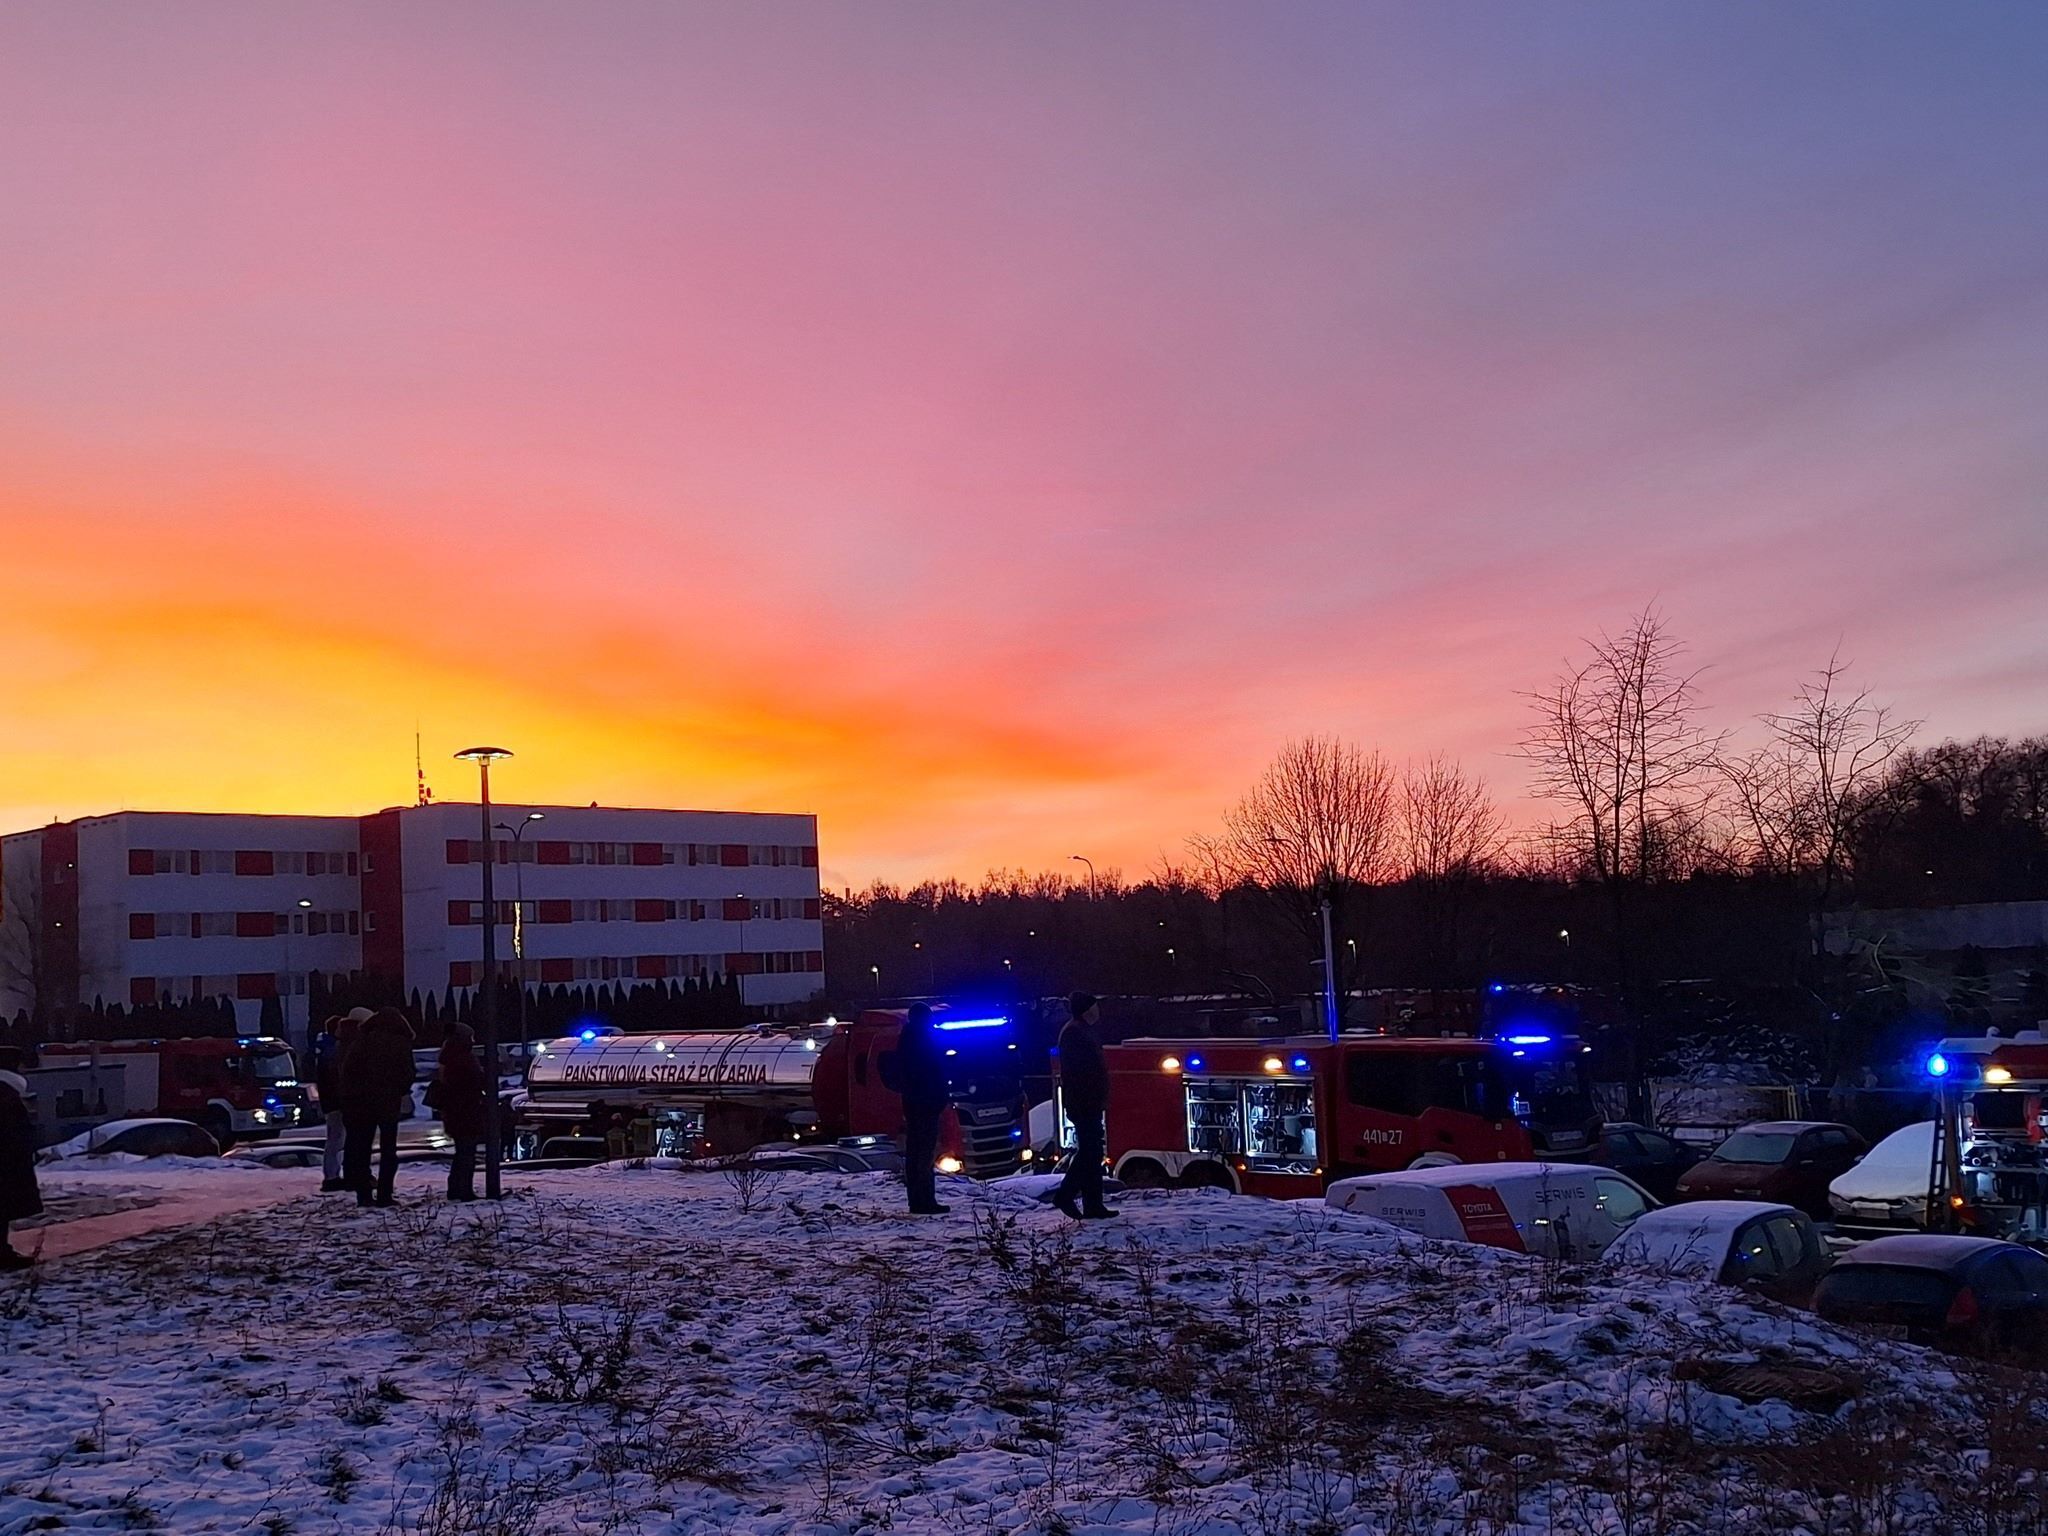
point(376, 1088)
point(921, 1072)
point(19, 1196)
point(335, 1036)
point(461, 1103)
point(1084, 1092)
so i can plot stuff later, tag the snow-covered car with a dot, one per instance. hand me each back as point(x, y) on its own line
point(278, 1154)
point(1760, 1246)
point(817, 1158)
point(1971, 1293)
point(1889, 1187)
point(136, 1138)
point(1558, 1210)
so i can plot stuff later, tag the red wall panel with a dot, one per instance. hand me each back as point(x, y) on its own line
point(141, 861)
point(141, 925)
point(255, 861)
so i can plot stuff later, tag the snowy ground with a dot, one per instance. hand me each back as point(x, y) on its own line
point(642, 1350)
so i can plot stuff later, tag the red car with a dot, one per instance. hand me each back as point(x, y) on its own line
point(1788, 1162)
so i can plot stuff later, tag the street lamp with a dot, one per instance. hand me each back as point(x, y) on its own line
point(1083, 858)
point(519, 908)
point(746, 911)
point(487, 993)
point(303, 905)
point(876, 972)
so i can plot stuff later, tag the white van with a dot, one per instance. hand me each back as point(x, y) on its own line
point(1557, 1210)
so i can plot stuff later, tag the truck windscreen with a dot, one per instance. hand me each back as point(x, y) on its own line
point(273, 1066)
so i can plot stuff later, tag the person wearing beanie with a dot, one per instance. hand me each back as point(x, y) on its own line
point(19, 1196)
point(1084, 1091)
point(460, 1101)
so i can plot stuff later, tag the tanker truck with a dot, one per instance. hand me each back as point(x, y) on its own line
point(712, 1095)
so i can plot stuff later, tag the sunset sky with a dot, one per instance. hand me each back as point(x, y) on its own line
point(993, 428)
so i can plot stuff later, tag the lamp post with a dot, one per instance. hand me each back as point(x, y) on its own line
point(1082, 858)
point(487, 992)
point(303, 904)
point(746, 911)
point(519, 908)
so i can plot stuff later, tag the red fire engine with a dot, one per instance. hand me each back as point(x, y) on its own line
point(715, 1094)
point(1989, 1163)
point(1286, 1116)
point(247, 1087)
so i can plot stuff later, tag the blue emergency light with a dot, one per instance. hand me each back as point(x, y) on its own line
point(1301, 1063)
point(951, 1024)
point(587, 1036)
point(1937, 1065)
point(1528, 1039)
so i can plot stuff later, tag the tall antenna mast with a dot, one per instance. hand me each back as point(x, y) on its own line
point(419, 769)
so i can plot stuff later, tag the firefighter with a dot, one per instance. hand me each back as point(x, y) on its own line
point(19, 1197)
point(1084, 1086)
point(921, 1070)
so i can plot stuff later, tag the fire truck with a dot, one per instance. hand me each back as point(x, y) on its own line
point(1286, 1116)
point(1988, 1172)
point(246, 1088)
point(715, 1094)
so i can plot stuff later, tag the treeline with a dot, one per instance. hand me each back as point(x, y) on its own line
point(1673, 850)
point(549, 1012)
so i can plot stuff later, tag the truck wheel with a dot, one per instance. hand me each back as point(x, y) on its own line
point(1206, 1175)
point(1143, 1173)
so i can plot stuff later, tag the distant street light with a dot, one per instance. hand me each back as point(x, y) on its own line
point(876, 972)
point(487, 993)
point(519, 908)
point(1083, 858)
point(303, 905)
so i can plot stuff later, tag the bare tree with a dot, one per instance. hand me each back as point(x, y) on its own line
point(1452, 835)
point(1322, 824)
point(35, 974)
point(1618, 744)
point(1806, 793)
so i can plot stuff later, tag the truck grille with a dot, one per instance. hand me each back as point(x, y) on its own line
point(989, 1143)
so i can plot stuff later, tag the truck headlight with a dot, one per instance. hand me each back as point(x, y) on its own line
point(950, 1165)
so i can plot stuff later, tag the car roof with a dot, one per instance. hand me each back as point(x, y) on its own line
point(1480, 1173)
point(1711, 1215)
point(1927, 1250)
point(1793, 1126)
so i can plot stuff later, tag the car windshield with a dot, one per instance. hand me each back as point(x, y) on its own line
point(1885, 1285)
point(1756, 1147)
point(273, 1066)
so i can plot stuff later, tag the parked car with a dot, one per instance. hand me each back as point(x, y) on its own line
point(824, 1157)
point(137, 1138)
point(1651, 1158)
point(1976, 1294)
point(1771, 1249)
point(1559, 1210)
point(278, 1154)
point(1789, 1162)
point(1889, 1187)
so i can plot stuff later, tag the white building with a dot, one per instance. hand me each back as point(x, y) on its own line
point(130, 907)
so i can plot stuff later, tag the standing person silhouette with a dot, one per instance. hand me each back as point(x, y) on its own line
point(921, 1070)
point(1084, 1090)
